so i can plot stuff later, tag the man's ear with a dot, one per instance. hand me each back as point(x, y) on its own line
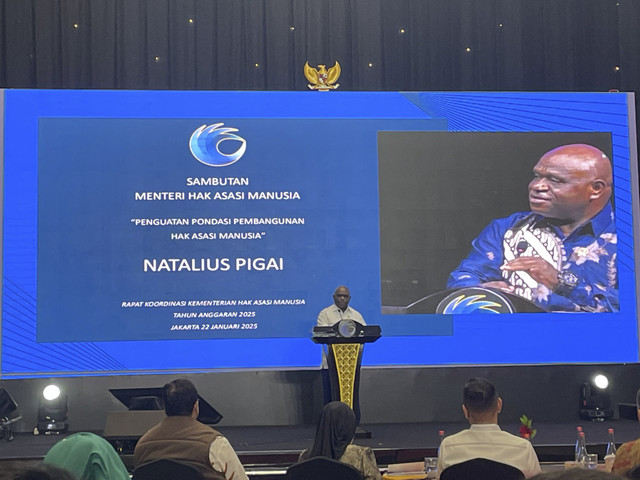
point(598, 187)
point(499, 405)
point(196, 409)
point(465, 411)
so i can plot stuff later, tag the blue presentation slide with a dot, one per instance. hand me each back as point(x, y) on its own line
point(157, 229)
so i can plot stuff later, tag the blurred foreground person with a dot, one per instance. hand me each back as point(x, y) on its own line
point(42, 471)
point(484, 438)
point(180, 436)
point(334, 434)
point(628, 455)
point(88, 457)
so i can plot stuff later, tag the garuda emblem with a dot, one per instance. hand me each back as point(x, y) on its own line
point(322, 79)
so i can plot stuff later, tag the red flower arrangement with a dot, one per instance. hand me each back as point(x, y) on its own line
point(525, 427)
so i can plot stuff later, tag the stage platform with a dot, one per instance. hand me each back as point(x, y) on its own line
point(266, 451)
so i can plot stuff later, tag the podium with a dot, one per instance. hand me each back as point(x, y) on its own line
point(345, 341)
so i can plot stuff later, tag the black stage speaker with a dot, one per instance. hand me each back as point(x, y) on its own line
point(8, 414)
point(142, 399)
point(7, 405)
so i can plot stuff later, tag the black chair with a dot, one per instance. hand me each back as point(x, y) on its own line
point(321, 468)
point(167, 469)
point(634, 473)
point(481, 469)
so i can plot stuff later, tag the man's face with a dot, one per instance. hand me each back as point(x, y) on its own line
point(341, 298)
point(561, 187)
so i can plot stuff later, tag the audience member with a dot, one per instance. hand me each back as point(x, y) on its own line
point(42, 471)
point(179, 436)
point(334, 434)
point(577, 474)
point(88, 457)
point(484, 439)
point(628, 455)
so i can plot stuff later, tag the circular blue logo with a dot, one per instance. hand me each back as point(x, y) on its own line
point(205, 145)
point(475, 300)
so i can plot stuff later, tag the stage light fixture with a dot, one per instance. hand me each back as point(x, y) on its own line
point(51, 392)
point(595, 398)
point(52, 411)
point(601, 381)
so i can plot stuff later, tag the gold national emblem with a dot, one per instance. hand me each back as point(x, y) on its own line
point(322, 79)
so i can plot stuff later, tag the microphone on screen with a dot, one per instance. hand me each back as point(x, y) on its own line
point(521, 247)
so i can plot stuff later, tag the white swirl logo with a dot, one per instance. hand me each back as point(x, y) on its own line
point(205, 145)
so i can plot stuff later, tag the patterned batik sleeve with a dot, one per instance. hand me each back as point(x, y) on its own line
point(483, 262)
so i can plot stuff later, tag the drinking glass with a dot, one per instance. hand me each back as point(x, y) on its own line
point(431, 466)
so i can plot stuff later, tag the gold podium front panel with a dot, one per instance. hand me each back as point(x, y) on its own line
point(346, 360)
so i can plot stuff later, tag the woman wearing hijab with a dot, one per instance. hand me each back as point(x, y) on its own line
point(334, 434)
point(88, 457)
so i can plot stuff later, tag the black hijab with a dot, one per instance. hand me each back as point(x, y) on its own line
point(336, 429)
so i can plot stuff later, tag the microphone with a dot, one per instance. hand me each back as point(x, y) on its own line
point(522, 246)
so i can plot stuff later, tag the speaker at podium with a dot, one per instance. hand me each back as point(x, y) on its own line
point(345, 341)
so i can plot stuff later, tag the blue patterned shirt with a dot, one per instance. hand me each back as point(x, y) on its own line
point(589, 252)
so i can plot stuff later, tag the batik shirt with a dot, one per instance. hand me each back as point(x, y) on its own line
point(627, 457)
point(589, 252)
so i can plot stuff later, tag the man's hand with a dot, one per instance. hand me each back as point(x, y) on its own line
point(539, 269)
point(499, 285)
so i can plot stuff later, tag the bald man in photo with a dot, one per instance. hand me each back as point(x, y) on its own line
point(561, 255)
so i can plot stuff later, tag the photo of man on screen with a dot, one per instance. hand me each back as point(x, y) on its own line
point(560, 255)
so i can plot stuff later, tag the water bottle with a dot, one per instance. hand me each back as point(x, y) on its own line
point(431, 463)
point(581, 456)
point(611, 446)
point(578, 429)
point(610, 456)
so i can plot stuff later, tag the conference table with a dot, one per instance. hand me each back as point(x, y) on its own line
point(412, 471)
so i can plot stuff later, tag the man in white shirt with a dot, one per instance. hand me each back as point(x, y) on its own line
point(484, 439)
point(340, 310)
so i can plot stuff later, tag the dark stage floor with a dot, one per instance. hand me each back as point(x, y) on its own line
point(278, 447)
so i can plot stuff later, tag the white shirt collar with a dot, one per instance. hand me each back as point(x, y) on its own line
point(484, 426)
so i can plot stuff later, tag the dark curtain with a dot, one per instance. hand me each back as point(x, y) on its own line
point(263, 44)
